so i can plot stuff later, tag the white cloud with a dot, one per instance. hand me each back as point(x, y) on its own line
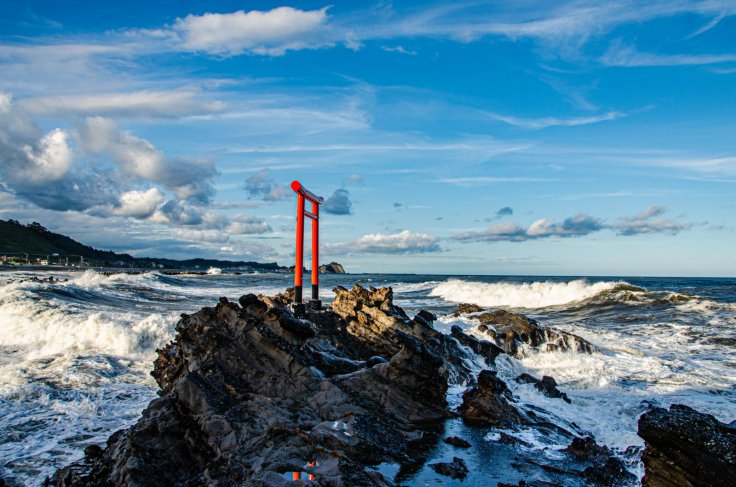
point(578, 226)
point(483, 180)
point(247, 225)
point(399, 49)
point(171, 103)
point(139, 204)
point(646, 222)
point(270, 33)
point(628, 56)
point(575, 226)
point(544, 122)
point(138, 158)
point(404, 242)
point(50, 160)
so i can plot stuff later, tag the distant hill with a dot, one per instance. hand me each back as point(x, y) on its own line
point(17, 239)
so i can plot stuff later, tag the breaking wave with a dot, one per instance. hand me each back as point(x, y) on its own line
point(539, 294)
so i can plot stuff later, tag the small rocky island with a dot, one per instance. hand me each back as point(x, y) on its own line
point(252, 395)
point(331, 268)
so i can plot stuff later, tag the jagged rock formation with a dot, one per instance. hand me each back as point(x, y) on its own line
point(331, 268)
point(455, 469)
point(250, 393)
point(511, 331)
point(489, 403)
point(546, 385)
point(687, 448)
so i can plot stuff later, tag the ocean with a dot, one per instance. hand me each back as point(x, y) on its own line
point(76, 353)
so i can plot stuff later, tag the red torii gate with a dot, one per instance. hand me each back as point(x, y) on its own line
point(303, 193)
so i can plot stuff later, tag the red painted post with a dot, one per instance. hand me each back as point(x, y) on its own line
point(315, 303)
point(299, 266)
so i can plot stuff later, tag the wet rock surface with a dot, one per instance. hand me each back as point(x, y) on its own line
point(250, 394)
point(457, 441)
point(512, 331)
point(685, 447)
point(546, 385)
point(455, 469)
point(489, 403)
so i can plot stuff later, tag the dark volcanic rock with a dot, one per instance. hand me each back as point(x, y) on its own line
point(547, 386)
point(484, 348)
point(489, 403)
point(605, 468)
point(511, 330)
point(371, 319)
point(457, 441)
point(455, 469)
point(250, 392)
point(465, 308)
point(331, 268)
point(687, 448)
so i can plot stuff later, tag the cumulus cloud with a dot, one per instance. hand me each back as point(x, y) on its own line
point(247, 225)
point(261, 185)
point(181, 213)
point(139, 204)
point(269, 33)
point(647, 222)
point(404, 242)
point(501, 213)
point(141, 160)
point(578, 226)
point(338, 203)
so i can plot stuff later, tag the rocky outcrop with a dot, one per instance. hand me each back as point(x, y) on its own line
point(546, 385)
point(604, 467)
point(331, 268)
point(466, 308)
point(371, 319)
point(687, 448)
point(511, 331)
point(489, 402)
point(455, 469)
point(250, 394)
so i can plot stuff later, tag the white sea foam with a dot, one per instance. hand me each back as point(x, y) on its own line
point(538, 294)
point(214, 271)
point(608, 389)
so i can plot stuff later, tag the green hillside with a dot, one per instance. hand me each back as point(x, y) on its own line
point(38, 242)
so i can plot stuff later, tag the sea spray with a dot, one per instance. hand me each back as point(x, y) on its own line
point(521, 295)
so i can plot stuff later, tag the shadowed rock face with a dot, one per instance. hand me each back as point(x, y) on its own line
point(510, 331)
point(489, 403)
point(687, 448)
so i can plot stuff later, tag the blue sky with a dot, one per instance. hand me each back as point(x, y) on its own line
point(565, 137)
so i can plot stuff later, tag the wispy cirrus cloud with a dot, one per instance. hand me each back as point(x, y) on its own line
point(544, 122)
point(471, 181)
point(629, 57)
point(147, 103)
